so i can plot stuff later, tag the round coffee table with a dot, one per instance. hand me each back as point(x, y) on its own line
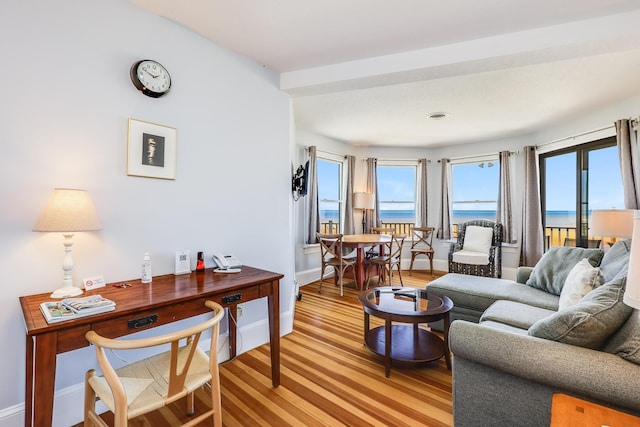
point(406, 342)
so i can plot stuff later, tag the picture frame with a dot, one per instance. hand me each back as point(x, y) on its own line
point(151, 150)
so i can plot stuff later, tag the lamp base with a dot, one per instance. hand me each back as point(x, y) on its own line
point(67, 291)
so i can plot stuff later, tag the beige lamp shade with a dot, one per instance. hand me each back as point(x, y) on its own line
point(68, 210)
point(632, 292)
point(364, 201)
point(617, 223)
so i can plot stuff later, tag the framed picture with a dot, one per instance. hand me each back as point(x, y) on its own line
point(151, 150)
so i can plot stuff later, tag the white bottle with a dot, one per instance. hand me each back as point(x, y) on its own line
point(146, 268)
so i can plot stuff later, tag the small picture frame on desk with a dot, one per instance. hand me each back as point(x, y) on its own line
point(183, 262)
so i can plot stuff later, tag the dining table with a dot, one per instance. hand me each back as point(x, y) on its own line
point(360, 242)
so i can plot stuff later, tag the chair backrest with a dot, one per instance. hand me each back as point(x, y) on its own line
point(496, 226)
point(395, 245)
point(330, 245)
point(382, 230)
point(591, 243)
point(183, 345)
point(422, 237)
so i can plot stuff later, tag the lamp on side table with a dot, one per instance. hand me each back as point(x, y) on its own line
point(364, 201)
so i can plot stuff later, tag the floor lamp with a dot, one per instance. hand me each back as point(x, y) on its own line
point(364, 201)
point(68, 211)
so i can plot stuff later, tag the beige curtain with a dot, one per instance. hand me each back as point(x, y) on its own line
point(421, 194)
point(349, 227)
point(503, 211)
point(444, 223)
point(627, 141)
point(312, 199)
point(373, 220)
point(532, 239)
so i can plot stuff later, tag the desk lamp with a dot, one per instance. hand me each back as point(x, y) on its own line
point(632, 292)
point(364, 201)
point(611, 223)
point(68, 211)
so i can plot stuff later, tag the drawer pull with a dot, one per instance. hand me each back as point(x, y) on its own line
point(141, 322)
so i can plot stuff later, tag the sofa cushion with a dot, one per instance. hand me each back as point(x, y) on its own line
point(582, 279)
point(590, 322)
point(626, 342)
point(516, 314)
point(477, 239)
point(471, 257)
point(550, 273)
point(478, 293)
point(615, 261)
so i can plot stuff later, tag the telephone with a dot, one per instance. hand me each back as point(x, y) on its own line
point(226, 263)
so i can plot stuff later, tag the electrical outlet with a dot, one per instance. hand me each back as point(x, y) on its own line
point(239, 310)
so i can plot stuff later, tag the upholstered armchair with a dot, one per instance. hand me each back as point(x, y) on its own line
point(478, 250)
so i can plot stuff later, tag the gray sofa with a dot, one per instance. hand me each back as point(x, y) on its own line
point(513, 349)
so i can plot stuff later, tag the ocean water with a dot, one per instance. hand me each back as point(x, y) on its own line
point(553, 219)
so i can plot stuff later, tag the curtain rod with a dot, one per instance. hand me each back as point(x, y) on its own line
point(395, 160)
point(478, 156)
point(576, 136)
point(327, 152)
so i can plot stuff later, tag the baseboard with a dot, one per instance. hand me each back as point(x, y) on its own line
point(67, 405)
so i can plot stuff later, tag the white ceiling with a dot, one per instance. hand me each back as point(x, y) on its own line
point(368, 72)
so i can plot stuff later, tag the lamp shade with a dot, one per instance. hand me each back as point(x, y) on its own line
point(632, 292)
point(68, 210)
point(616, 223)
point(364, 201)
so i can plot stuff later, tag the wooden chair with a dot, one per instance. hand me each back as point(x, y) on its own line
point(591, 243)
point(374, 251)
point(422, 244)
point(387, 262)
point(332, 254)
point(154, 382)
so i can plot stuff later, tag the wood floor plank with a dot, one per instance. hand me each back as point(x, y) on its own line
point(328, 376)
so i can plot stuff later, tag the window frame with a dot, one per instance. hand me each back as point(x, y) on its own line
point(401, 163)
point(492, 158)
point(341, 161)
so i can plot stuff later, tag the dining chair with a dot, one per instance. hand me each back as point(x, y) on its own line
point(154, 382)
point(333, 254)
point(374, 250)
point(422, 244)
point(385, 263)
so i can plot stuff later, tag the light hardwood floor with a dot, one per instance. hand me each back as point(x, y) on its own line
point(329, 378)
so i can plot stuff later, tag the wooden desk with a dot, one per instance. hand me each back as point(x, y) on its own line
point(569, 411)
point(360, 242)
point(170, 297)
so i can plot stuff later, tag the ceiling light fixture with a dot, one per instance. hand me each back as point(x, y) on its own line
point(438, 116)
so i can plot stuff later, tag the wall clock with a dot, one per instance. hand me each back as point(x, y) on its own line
point(150, 78)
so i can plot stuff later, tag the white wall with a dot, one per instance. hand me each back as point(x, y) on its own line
point(65, 100)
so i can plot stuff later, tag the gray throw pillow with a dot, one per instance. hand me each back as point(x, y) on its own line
point(590, 322)
point(550, 273)
point(626, 342)
point(615, 262)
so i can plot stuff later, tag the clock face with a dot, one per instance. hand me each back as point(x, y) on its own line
point(151, 78)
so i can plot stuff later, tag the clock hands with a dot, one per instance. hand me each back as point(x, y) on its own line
point(148, 72)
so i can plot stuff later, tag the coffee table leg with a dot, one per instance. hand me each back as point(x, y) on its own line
point(387, 347)
point(447, 353)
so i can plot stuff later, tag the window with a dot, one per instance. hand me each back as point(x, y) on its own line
point(573, 182)
point(330, 194)
point(474, 191)
point(397, 195)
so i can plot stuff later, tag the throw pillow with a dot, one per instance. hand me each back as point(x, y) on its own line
point(550, 273)
point(477, 239)
point(590, 322)
point(626, 342)
point(582, 279)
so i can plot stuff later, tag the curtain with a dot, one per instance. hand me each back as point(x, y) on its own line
point(349, 227)
point(312, 192)
point(532, 239)
point(627, 142)
point(372, 187)
point(503, 211)
point(421, 191)
point(444, 224)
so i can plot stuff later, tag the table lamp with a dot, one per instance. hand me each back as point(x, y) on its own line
point(364, 201)
point(68, 211)
point(632, 292)
point(611, 223)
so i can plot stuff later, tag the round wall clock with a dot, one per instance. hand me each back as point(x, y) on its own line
point(150, 78)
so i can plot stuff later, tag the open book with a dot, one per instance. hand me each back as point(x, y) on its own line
point(70, 308)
